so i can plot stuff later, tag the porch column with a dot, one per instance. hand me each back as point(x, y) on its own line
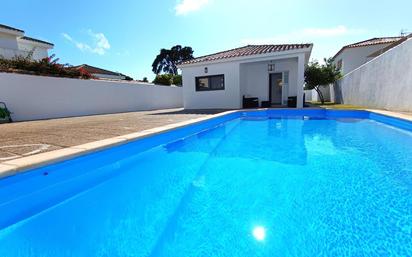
point(301, 80)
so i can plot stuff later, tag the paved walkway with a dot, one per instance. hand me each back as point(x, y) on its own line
point(31, 137)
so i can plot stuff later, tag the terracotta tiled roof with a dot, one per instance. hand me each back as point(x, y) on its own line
point(36, 40)
point(96, 70)
point(383, 50)
point(370, 42)
point(10, 28)
point(247, 51)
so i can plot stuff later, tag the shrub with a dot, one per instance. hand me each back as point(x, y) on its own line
point(47, 66)
point(163, 79)
point(128, 78)
point(177, 80)
point(4, 113)
point(168, 79)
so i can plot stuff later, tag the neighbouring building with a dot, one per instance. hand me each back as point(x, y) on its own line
point(351, 57)
point(13, 43)
point(99, 73)
point(271, 73)
point(385, 82)
point(354, 55)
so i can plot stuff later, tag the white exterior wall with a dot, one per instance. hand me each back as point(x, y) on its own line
point(226, 99)
point(385, 82)
point(11, 46)
point(302, 61)
point(327, 92)
point(254, 80)
point(352, 58)
point(8, 45)
point(38, 53)
point(37, 97)
point(308, 95)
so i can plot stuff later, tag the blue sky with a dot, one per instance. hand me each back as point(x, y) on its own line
point(126, 36)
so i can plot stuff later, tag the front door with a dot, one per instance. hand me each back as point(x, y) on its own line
point(275, 88)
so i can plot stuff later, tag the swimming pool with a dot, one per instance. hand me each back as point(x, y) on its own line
point(261, 183)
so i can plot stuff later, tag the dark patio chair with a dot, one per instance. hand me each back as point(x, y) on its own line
point(250, 102)
point(5, 113)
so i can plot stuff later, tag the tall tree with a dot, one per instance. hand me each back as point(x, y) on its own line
point(167, 60)
point(317, 76)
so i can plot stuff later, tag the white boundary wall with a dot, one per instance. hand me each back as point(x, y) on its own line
point(37, 97)
point(384, 82)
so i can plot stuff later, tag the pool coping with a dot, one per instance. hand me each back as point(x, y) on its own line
point(19, 165)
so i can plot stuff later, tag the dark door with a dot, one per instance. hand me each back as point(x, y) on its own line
point(275, 88)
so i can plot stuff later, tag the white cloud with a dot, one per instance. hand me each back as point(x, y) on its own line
point(100, 43)
point(186, 6)
point(305, 35)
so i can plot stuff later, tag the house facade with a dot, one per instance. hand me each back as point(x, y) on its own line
point(13, 43)
point(270, 73)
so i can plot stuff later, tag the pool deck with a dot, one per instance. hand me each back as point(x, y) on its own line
point(20, 138)
point(25, 145)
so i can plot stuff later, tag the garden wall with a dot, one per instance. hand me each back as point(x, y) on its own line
point(385, 82)
point(37, 97)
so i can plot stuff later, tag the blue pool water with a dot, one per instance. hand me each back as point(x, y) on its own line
point(254, 184)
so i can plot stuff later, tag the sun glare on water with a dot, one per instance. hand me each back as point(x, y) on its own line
point(259, 233)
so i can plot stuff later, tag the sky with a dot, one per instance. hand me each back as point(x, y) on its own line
point(125, 36)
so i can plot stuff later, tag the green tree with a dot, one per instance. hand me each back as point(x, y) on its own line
point(168, 79)
point(128, 78)
point(167, 60)
point(177, 80)
point(163, 79)
point(317, 76)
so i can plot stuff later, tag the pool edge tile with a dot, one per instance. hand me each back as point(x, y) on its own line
point(391, 114)
point(7, 170)
point(100, 144)
point(37, 160)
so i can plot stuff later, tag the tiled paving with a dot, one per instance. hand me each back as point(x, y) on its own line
point(26, 138)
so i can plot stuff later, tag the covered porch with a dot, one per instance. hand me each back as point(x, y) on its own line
point(273, 81)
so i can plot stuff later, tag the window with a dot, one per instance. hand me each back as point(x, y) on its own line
point(339, 65)
point(286, 77)
point(208, 83)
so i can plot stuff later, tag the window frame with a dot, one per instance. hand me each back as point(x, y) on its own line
point(199, 89)
point(339, 64)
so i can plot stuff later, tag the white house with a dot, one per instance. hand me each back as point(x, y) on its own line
point(14, 43)
point(354, 55)
point(272, 73)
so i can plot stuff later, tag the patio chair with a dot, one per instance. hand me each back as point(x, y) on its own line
point(4, 113)
point(250, 102)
